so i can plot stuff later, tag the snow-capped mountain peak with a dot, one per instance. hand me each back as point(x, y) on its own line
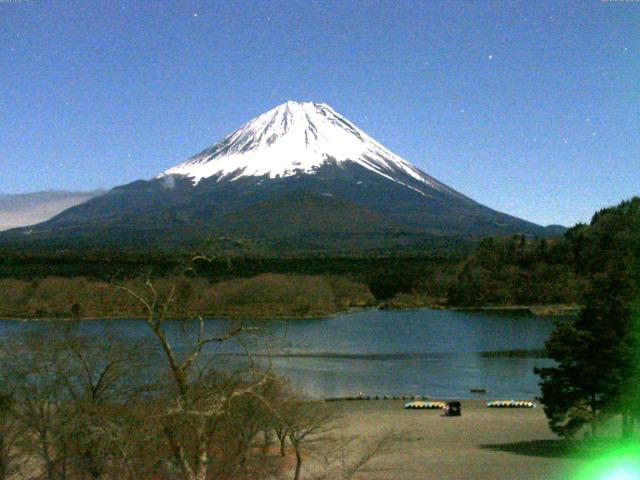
point(299, 178)
point(298, 138)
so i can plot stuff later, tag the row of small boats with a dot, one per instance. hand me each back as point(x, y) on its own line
point(378, 397)
point(511, 404)
point(422, 405)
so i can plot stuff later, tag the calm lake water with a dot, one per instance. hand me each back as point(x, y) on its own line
point(425, 352)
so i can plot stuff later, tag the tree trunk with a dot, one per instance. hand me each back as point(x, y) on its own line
point(268, 440)
point(4, 459)
point(203, 453)
point(48, 464)
point(179, 455)
point(594, 428)
point(625, 425)
point(628, 424)
point(296, 476)
point(282, 446)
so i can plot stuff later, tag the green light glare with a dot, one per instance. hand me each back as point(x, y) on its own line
point(621, 474)
point(620, 462)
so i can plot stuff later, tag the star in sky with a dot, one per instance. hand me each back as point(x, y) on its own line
point(601, 41)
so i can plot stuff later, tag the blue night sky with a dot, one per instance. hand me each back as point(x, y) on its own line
point(532, 108)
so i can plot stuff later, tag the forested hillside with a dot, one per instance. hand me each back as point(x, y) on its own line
point(520, 271)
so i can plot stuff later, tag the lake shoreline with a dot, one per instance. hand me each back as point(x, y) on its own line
point(538, 310)
point(265, 318)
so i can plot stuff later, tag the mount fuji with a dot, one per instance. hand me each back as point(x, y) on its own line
point(298, 138)
point(299, 177)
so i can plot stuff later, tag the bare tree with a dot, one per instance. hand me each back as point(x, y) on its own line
point(68, 397)
point(202, 397)
point(305, 422)
point(342, 458)
point(99, 378)
point(28, 372)
point(312, 430)
point(9, 434)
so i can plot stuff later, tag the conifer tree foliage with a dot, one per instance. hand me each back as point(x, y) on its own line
point(516, 271)
point(630, 398)
point(592, 358)
point(597, 370)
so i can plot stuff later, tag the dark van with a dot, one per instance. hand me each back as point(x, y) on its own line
point(453, 409)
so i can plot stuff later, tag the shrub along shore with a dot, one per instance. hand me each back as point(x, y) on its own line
point(263, 296)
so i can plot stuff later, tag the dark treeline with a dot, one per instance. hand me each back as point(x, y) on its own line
point(515, 270)
point(385, 276)
point(520, 271)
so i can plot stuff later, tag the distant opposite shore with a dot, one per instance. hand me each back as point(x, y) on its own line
point(266, 296)
point(400, 303)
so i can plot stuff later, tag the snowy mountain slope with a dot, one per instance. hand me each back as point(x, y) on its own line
point(298, 138)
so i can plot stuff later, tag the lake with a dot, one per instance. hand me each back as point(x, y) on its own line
point(404, 352)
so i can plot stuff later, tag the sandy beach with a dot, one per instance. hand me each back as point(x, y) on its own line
point(483, 443)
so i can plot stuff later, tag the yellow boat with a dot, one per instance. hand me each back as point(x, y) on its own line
point(421, 405)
